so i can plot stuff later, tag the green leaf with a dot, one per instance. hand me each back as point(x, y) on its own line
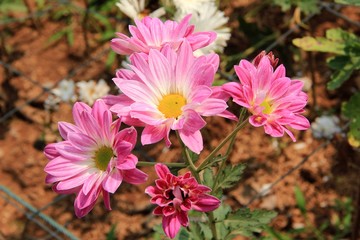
point(351, 110)
point(205, 230)
point(213, 162)
point(111, 235)
point(340, 76)
point(300, 200)
point(208, 177)
point(230, 176)
point(195, 231)
point(339, 35)
point(70, 36)
point(57, 36)
point(319, 44)
point(11, 6)
point(276, 235)
point(284, 4)
point(221, 212)
point(110, 59)
point(309, 6)
point(350, 2)
point(199, 231)
point(245, 222)
point(337, 62)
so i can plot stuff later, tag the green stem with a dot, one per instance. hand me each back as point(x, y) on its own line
point(223, 142)
point(188, 160)
point(228, 150)
point(144, 164)
point(212, 225)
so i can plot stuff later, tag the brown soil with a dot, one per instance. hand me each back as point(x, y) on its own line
point(327, 175)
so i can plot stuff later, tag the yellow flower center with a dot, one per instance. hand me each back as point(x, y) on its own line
point(267, 107)
point(102, 157)
point(171, 105)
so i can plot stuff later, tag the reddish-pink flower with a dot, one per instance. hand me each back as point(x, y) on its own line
point(152, 33)
point(94, 158)
point(275, 101)
point(167, 90)
point(175, 196)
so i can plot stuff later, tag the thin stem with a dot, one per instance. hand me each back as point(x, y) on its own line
point(144, 164)
point(228, 150)
point(187, 157)
point(223, 142)
point(212, 224)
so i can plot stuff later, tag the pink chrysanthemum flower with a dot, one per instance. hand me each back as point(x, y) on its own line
point(169, 90)
point(152, 33)
point(274, 100)
point(175, 196)
point(94, 158)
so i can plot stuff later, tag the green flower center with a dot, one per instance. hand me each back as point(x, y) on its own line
point(102, 157)
point(171, 105)
point(267, 107)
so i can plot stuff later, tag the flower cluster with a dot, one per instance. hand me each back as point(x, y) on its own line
point(175, 196)
point(87, 91)
point(166, 87)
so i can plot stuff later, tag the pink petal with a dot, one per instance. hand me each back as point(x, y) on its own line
point(66, 128)
point(300, 123)
point(128, 135)
point(153, 134)
point(112, 181)
point(162, 170)
point(171, 226)
point(106, 197)
point(82, 142)
point(50, 151)
point(206, 203)
point(129, 162)
point(193, 141)
point(134, 176)
point(123, 149)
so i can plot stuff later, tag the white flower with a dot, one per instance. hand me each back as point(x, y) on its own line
point(191, 5)
point(89, 91)
point(208, 18)
point(325, 127)
point(135, 9)
point(65, 91)
point(52, 103)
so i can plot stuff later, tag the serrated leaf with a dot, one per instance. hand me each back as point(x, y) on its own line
point(221, 212)
point(309, 6)
point(319, 44)
point(245, 222)
point(339, 35)
point(300, 200)
point(230, 176)
point(284, 4)
point(195, 231)
point(337, 62)
point(205, 230)
point(208, 177)
point(340, 76)
point(351, 110)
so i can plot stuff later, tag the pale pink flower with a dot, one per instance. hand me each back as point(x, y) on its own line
point(175, 196)
point(94, 158)
point(152, 33)
point(274, 100)
point(169, 90)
